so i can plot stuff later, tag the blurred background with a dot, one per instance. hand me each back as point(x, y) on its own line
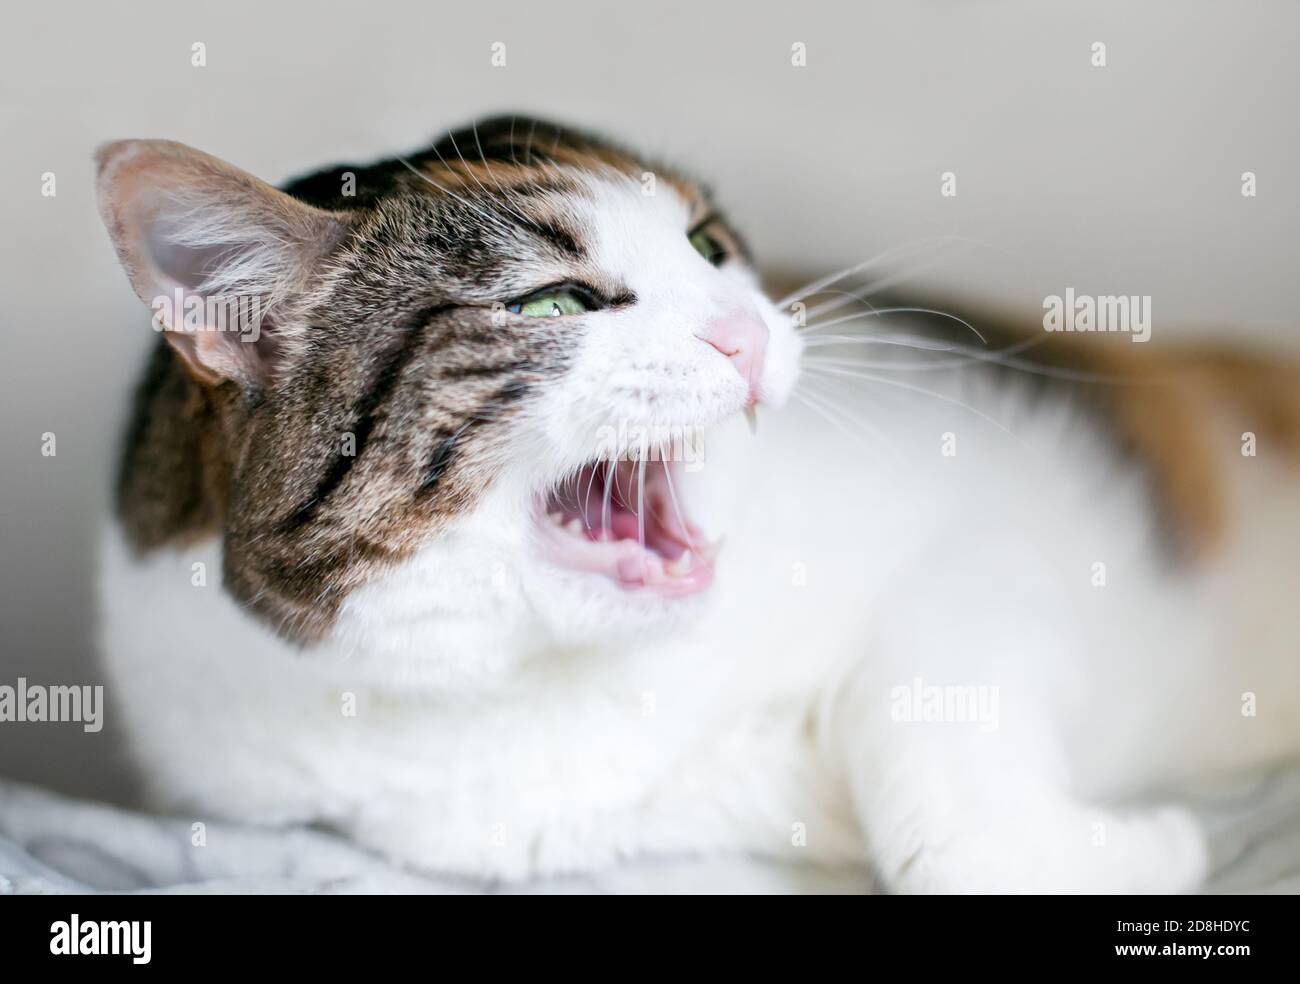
point(1118, 179)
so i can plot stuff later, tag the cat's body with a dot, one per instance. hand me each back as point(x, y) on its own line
point(467, 709)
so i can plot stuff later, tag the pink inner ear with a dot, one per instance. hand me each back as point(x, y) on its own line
point(220, 336)
point(209, 248)
point(187, 266)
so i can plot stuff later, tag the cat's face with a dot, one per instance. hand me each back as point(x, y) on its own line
point(474, 390)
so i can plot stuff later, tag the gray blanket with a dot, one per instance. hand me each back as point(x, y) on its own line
point(53, 844)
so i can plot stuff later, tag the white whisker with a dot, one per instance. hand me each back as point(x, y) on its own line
point(824, 282)
point(672, 496)
point(504, 199)
point(905, 341)
point(586, 502)
point(879, 312)
point(848, 297)
point(871, 377)
point(1004, 357)
point(447, 191)
point(823, 408)
point(604, 506)
point(640, 512)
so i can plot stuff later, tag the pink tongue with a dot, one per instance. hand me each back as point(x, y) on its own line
point(623, 526)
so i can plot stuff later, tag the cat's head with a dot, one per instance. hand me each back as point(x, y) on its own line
point(430, 405)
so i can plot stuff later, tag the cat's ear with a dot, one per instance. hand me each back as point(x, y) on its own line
point(215, 252)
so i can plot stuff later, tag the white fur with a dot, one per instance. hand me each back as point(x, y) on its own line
point(513, 719)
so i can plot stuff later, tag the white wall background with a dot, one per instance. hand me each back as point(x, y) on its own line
point(1123, 179)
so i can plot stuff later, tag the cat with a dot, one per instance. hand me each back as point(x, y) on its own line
point(458, 542)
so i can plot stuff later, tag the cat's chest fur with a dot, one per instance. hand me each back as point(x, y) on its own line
point(710, 738)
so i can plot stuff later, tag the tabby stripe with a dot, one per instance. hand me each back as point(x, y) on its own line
point(441, 458)
point(552, 234)
point(381, 388)
point(492, 369)
point(446, 449)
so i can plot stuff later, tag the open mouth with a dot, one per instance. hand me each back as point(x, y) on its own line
point(625, 520)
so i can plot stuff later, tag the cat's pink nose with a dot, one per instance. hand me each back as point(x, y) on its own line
point(742, 337)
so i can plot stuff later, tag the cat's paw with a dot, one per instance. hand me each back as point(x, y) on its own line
point(1072, 850)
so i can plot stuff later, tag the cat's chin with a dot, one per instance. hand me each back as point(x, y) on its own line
point(583, 610)
point(621, 522)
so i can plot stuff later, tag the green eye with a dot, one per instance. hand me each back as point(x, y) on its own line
point(550, 304)
point(708, 247)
